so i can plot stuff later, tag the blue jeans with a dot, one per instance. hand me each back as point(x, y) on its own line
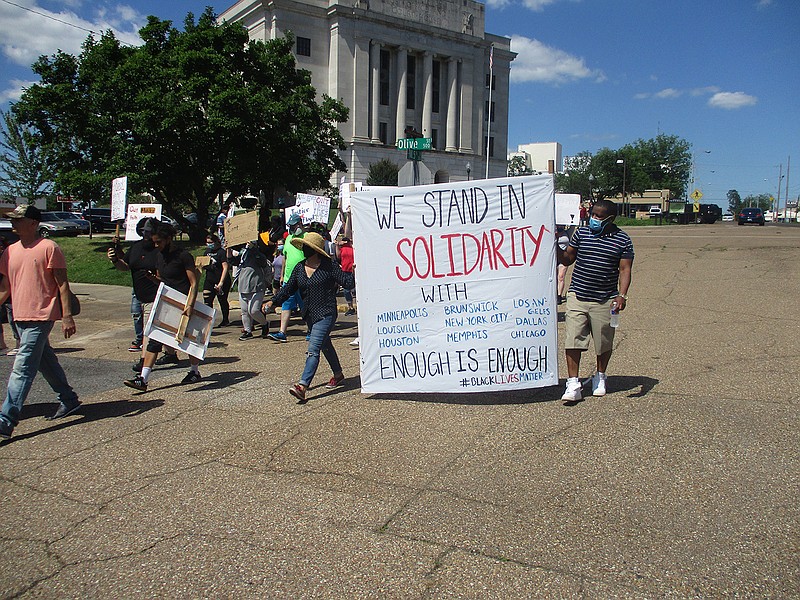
point(320, 341)
point(35, 354)
point(137, 312)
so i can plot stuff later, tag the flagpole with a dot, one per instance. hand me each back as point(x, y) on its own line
point(489, 113)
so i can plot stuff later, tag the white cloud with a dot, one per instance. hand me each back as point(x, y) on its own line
point(541, 63)
point(668, 93)
point(763, 4)
point(14, 93)
point(731, 100)
point(27, 35)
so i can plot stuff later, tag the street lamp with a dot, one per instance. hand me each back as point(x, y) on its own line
point(621, 161)
point(469, 169)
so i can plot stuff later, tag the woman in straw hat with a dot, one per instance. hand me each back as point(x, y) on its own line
point(317, 278)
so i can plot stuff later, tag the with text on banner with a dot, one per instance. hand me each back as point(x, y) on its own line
point(456, 286)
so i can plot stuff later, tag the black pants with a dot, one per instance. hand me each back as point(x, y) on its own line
point(209, 293)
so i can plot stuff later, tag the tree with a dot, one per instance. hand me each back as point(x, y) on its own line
point(734, 201)
point(187, 116)
point(23, 168)
point(517, 167)
point(762, 201)
point(383, 172)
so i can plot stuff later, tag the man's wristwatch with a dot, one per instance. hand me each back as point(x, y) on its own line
point(624, 296)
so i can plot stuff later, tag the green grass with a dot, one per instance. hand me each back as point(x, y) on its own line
point(87, 261)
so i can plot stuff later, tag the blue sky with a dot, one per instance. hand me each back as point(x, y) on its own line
point(722, 74)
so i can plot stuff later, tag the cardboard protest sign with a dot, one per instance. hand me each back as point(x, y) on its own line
point(164, 323)
point(137, 212)
point(241, 228)
point(456, 286)
point(568, 209)
point(119, 197)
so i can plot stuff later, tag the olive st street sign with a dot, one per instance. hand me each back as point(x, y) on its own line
point(414, 144)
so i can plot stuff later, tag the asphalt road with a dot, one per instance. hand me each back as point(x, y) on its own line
point(682, 482)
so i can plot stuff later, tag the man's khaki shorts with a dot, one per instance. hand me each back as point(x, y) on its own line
point(583, 319)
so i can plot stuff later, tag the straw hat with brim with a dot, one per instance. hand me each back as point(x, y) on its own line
point(313, 240)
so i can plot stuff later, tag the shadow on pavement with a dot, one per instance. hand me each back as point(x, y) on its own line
point(87, 413)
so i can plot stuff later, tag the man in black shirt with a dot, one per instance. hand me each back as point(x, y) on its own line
point(139, 260)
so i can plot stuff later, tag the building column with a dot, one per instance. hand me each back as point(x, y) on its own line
point(452, 106)
point(375, 65)
point(402, 66)
point(427, 98)
point(474, 123)
point(360, 101)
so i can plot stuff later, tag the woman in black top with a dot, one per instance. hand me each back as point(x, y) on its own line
point(175, 268)
point(318, 279)
point(218, 279)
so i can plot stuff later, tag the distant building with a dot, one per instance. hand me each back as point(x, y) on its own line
point(423, 65)
point(540, 155)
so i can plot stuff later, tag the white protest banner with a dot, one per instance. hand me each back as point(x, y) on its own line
point(312, 209)
point(568, 209)
point(345, 189)
point(137, 212)
point(165, 319)
point(456, 286)
point(119, 195)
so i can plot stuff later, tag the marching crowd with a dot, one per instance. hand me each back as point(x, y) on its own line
point(301, 270)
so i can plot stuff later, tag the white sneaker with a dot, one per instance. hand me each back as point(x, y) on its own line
point(599, 384)
point(354, 342)
point(573, 391)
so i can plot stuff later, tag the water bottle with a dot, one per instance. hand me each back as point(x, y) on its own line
point(614, 315)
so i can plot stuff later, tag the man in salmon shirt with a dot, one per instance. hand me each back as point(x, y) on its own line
point(35, 273)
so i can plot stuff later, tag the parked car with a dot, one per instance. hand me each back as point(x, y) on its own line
point(51, 225)
point(7, 232)
point(655, 211)
point(751, 215)
point(100, 218)
point(68, 216)
point(727, 217)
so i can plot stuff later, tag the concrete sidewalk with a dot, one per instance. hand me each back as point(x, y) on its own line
point(682, 482)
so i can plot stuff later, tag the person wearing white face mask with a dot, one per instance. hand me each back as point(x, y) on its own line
point(603, 257)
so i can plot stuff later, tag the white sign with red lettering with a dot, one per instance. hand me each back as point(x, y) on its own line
point(456, 286)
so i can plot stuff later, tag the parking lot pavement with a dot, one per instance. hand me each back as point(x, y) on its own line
point(681, 482)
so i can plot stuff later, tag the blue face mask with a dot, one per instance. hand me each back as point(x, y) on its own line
point(210, 246)
point(596, 225)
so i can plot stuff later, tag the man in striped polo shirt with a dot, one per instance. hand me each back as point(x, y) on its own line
point(603, 257)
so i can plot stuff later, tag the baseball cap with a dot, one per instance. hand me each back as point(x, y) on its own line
point(294, 219)
point(26, 211)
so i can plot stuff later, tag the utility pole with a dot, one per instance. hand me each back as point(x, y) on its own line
point(777, 204)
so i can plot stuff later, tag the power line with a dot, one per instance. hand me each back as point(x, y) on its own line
point(51, 17)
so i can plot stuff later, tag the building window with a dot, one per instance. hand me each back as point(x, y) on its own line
point(303, 46)
point(436, 77)
point(383, 133)
point(486, 111)
point(385, 67)
point(411, 82)
point(434, 138)
point(494, 81)
point(491, 146)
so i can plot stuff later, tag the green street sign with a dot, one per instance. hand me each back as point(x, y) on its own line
point(415, 144)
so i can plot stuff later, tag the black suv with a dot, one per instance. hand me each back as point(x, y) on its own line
point(100, 218)
point(751, 215)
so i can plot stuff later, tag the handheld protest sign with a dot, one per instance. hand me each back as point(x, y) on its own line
point(165, 324)
point(456, 286)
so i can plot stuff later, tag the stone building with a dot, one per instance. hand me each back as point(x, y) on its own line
point(396, 64)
